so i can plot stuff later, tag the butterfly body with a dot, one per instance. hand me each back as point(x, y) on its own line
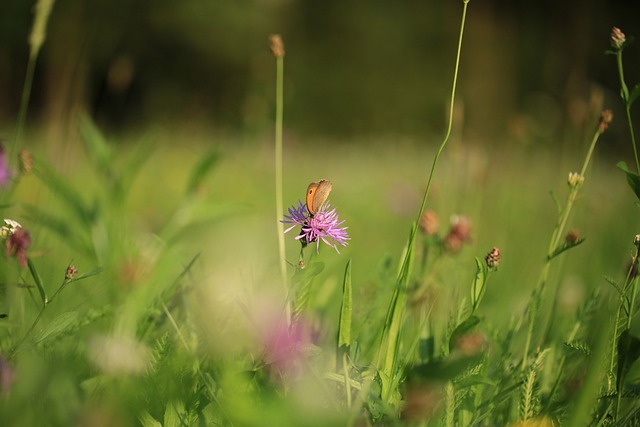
point(317, 194)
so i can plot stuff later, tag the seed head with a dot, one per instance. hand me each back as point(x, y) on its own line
point(71, 272)
point(617, 38)
point(605, 120)
point(572, 237)
point(493, 258)
point(277, 45)
point(25, 161)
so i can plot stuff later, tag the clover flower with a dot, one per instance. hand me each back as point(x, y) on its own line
point(323, 226)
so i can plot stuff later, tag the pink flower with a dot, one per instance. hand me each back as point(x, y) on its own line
point(285, 346)
point(323, 226)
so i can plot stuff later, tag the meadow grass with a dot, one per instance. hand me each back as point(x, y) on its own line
point(137, 292)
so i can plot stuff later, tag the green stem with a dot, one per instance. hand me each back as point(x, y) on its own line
point(450, 123)
point(15, 349)
point(624, 93)
point(24, 103)
point(279, 185)
point(617, 321)
point(633, 138)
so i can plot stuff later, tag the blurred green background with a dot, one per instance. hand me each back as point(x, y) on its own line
point(531, 71)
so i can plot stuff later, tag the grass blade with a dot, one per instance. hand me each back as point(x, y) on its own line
point(38, 281)
point(344, 327)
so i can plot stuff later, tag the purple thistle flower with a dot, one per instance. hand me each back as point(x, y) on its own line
point(324, 225)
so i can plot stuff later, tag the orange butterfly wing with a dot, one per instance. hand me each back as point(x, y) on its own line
point(317, 194)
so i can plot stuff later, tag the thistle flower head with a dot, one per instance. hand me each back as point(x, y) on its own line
point(324, 226)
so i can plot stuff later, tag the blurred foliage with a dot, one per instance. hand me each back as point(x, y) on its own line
point(351, 68)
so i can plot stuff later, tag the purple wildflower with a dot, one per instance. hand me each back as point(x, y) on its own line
point(5, 172)
point(286, 347)
point(7, 376)
point(324, 225)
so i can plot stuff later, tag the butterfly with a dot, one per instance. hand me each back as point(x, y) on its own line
point(317, 193)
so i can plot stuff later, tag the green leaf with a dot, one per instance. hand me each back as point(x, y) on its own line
point(173, 414)
point(426, 348)
point(633, 179)
point(38, 281)
point(471, 380)
point(344, 328)
point(302, 280)
point(147, 420)
point(123, 183)
point(628, 352)
point(201, 169)
point(65, 192)
point(615, 285)
point(565, 247)
point(95, 144)
point(57, 326)
point(582, 347)
point(462, 329)
point(395, 320)
point(479, 284)
point(86, 275)
point(443, 369)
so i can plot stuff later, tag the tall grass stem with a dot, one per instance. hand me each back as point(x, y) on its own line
point(36, 39)
point(279, 185)
point(451, 108)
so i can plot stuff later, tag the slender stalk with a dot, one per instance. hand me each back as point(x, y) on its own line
point(24, 103)
point(279, 54)
point(624, 93)
point(451, 107)
point(15, 349)
point(387, 359)
point(36, 39)
point(554, 243)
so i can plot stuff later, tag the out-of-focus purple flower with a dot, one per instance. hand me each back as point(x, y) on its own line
point(323, 226)
point(286, 346)
point(5, 172)
point(17, 244)
point(7, 376)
